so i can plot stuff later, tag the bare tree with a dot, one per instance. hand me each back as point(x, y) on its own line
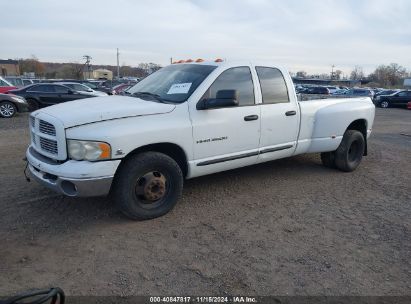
point(389, 75)
point(70, 71)
point(149, 68)
point(32, 65)
point(357, 73)
point(301, 74)
point(337, 74)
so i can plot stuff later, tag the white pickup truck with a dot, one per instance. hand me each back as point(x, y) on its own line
point(184, 121)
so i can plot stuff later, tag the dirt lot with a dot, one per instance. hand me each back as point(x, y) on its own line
point(283, 228)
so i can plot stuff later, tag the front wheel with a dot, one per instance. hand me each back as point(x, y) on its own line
point(384, 104)
point(147, 185)
point(7, 109)
point(350, 151)
point(33, 105)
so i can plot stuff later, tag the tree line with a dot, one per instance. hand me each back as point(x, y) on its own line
point(387, 76)
point(75, 70)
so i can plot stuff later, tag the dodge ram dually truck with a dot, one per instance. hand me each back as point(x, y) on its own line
point(184, 121)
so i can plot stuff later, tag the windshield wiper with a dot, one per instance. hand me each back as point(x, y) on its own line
point(155, 96)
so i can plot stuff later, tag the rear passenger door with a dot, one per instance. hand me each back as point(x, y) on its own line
point(280, 115)
point(44, 93)
point(402, 98)
point(63, 94)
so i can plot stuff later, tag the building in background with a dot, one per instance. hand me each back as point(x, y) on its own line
point(98, 74)
point(407, 83)
point(9, 67)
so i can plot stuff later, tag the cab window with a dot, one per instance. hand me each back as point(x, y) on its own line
point(238, 79)
point(273, 86)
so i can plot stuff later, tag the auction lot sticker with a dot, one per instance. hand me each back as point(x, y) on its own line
point(179, 88)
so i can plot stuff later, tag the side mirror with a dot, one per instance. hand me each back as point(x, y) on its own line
point(224, 98)
point(70, 92)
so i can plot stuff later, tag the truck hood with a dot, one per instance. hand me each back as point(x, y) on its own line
point(89, 110)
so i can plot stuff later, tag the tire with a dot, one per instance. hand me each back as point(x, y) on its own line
point(33, 105)
point(148, 185)
point(349, 154)
point(384, 104)
point(7, 109)
point(328, 159)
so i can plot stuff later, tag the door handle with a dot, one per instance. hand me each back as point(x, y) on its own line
point(290, 113)
point(251, 117)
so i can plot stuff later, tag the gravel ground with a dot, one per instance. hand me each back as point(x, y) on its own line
point(288, 227)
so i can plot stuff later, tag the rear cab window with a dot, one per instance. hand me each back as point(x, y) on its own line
point(273, 85)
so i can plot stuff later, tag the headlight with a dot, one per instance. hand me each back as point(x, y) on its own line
point(88, 150)
point(17, 98)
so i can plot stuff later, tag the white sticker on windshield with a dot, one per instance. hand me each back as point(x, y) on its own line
point(179, 88)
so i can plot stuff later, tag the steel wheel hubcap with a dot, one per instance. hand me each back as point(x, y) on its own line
point(151, 186)
point(7, 110)
point(384, 104)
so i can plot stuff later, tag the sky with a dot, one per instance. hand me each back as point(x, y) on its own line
point(309, 35)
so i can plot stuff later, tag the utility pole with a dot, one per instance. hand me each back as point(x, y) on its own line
point(87, 64)
point(118, 64)
point(171, 60)
point(332, 72)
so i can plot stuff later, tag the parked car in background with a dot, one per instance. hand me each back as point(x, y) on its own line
point(5, 86)
point(332, 89)
point(15, 81)
point(340, 92)
point(109, 85)
point(317, 90)
point(46, 94)
point(385, 92)
point(409, 105)
point(400, 98)
point(100, 86)
point(11, 104)
point(358, 92)
point(119, 89)
point(27, 82)
point(82, 88)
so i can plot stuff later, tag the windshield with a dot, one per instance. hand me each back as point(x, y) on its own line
point(174, 83)
point(90, 85)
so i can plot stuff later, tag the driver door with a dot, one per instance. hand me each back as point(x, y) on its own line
point(227, 137)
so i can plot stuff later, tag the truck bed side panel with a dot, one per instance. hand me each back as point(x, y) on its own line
point(323, 122)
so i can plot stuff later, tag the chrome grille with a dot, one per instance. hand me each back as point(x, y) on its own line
point(33, 137)
point(47, 128)
point(47, 136)
point(48, 145)
point(32, 121)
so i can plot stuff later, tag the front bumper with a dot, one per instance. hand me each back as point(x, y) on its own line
point(72, 178)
